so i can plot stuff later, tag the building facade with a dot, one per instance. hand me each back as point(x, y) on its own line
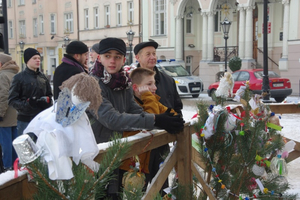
point(186, 30)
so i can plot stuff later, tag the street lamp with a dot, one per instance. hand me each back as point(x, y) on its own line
point(225, 27)
point(22, 44)
point(130, 35)
point(66, 40)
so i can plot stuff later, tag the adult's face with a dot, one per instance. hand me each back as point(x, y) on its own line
point(93, 55)
point(34, 62)
point(112, 61)
point(82, 58)
point(147, 57)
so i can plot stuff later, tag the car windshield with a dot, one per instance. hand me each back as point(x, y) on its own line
point(175, 70)
point(260, 74)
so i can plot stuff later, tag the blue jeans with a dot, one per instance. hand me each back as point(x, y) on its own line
point(7, 135)
point(21, 126)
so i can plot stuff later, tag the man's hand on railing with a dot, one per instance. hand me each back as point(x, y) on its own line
point(172, 124)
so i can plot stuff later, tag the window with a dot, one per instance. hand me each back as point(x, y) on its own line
point(86, 18)
point(188, 62)
point(106, 17)
point(96, 17)
point(35, 30)
point(244, 76)
point(218, 19)
point(10, 29)
point(41, 24)
point(9, 3)
point(188, 25)
point(53, 24)
point(21, 2)
point(33, 1)
point(68, 22)
point(159, 17)
point(119, 14)
point(22, 29)
point(130, 12)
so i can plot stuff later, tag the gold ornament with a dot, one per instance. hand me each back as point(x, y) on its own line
point(133, 180)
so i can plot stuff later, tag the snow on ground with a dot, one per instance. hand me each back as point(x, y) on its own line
point(291, 130)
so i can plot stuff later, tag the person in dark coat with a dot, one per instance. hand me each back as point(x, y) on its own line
point(30, 91)
point(73, 62)
point(8, 115)
point(119, 112)
point(145, 54)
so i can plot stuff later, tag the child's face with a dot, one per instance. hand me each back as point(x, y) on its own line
point(149, 82)
point(112, 61)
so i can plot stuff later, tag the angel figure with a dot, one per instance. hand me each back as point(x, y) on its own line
point(225, 88)
point(64, 131)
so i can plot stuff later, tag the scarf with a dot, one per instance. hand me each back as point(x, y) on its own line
point(72, 62)
point(117, 81)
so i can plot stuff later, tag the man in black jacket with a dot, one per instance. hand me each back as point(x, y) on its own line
point(74, 62)
point(145, 53)
point(30, 90)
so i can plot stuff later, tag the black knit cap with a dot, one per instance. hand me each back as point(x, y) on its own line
point(77, 47)
point(112, 44)
point(142, 45)
point(29, 53)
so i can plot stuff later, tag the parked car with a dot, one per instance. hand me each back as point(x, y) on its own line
point(186, 83)
point(280, 88)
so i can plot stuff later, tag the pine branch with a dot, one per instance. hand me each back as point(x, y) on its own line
point(107, 170)
point(47, 183)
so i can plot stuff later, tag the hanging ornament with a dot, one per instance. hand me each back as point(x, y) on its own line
point(278, 166)
point(252, 184)
point(242, 133)
point(133, 180)
point(258, 170)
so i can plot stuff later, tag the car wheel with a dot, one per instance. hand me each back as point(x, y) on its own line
point(195, 95)
point(279, 99)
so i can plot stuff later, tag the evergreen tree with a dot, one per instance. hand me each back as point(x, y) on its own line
point(238, 148)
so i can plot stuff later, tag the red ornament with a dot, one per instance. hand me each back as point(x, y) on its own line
point(242, 124)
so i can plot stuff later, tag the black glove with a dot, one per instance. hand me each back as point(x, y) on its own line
point(172, 124)
point(32, 102)
point(1, 119)
point(44, 102)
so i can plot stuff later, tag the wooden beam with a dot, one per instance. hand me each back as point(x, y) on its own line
point(184, 144)
point(159, 139)
point(205, 186)
point(161, 175)
point(197, 159)
point(284, 108)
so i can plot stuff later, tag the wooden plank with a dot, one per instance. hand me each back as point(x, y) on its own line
point(197, 159)
point(205, 186)
point(293, 155)
point(159, 139)
point(184, 144)
point(18, 188)
point(161, 175)
point(284, 108)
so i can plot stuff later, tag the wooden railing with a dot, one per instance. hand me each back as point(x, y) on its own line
point(187, 158)
point(183, 154)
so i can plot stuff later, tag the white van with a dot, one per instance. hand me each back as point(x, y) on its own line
point(185, 83)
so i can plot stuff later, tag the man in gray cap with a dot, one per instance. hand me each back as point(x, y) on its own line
point(145, 53)
point(74, 62)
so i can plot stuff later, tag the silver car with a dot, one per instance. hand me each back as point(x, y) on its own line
point(185, 83)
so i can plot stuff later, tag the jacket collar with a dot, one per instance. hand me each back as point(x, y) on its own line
point(29, 71)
